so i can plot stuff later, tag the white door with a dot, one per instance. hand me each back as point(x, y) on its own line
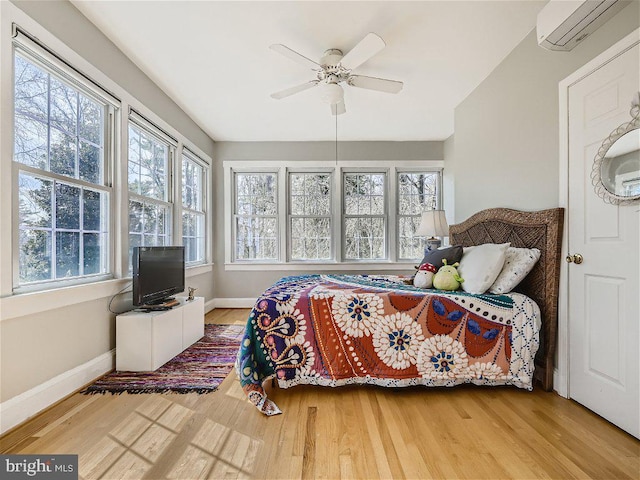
point(604, 290)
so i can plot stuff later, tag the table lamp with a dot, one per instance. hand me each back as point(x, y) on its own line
point(433, 224)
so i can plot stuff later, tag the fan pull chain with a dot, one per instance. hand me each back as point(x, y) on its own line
point(336, 116)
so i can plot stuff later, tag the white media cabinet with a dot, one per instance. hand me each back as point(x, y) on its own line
point(148, 340)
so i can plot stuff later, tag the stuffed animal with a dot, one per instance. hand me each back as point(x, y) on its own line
point(447, 277)
point(424, 276)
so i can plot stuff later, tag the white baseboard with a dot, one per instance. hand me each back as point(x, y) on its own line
point(24, 406)
point(560, 383)
point(210, 305)
point(233, 302)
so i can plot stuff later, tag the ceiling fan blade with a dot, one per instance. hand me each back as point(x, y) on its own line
point(373, 83)
point(338, 108)
point(363, 51)
point(295, 56)
point(293, 90)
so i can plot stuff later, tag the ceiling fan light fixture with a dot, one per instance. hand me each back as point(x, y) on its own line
point(335, 70)
point(331, 93)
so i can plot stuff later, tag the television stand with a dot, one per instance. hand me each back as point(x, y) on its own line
point(147, 340)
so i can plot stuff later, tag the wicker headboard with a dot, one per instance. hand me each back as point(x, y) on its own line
point(541, 230)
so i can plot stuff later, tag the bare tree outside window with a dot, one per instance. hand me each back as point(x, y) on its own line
point(310, 216)
point(193, 210)
point(417, 192)
point(365, 217)
point(62, 198)
point(148, 177)
point(255, 213)
point(362, 227)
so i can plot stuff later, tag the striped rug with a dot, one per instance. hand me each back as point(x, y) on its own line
point(199, 369)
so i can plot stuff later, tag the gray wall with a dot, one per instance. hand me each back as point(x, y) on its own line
point(448, 179)
point(36, 348)
point(310, 151)
point(244, 284)
point(505, 151)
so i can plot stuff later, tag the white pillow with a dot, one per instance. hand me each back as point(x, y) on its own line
point(480, 266)
point(518, 263)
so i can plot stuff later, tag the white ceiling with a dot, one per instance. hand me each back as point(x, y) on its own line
point(213, 59)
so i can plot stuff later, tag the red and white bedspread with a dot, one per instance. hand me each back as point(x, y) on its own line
point(337, 330)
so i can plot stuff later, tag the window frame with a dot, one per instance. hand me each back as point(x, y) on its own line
point(338, 263)
point(204, 194)
point(279, 192)
point(414, 170)
point(168, 203)
point(384, 216)
point(23, 46)
point(330, 216)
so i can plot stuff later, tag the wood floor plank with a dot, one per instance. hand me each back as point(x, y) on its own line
point(370, 424)
point(348, 432)
point(193, 464)
point(23, 432)
point(99, 458)
point(354, 437)
point(409, 458)
point(328, 437)
point(65, 417)
point(494, 447)
point(537, 444)
point(309, 454)
point(128, 467)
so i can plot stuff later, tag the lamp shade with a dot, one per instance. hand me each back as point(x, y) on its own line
point(433, 224)
point(331, 93)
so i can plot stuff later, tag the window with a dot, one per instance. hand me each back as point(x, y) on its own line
point(365, 217)
point(194, 176)
point(71, 219)
point(63, 197)
point(417, 192)
point(256, 216)
point(310, 216)
point(149, 187)
point(332, 216)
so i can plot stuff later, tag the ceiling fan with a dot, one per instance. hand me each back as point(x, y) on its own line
point(334, 69)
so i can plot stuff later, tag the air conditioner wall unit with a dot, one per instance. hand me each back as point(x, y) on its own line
point(562, 24)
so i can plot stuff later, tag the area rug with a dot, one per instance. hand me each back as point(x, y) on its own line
point(199, 369)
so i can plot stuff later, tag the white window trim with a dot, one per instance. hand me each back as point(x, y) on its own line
point(439, 199)
point(150, 126)
point(51, 60)
point(393, 166)
point(56, 283)
point(173, 224)
point(186, 152)
point(331, 216)
point(280, 216)
point(386, 216)
point(23, 45)
point(151, 130)
point(18, 305)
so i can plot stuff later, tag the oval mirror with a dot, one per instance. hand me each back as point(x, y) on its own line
point(620, 168)
point(616, 167)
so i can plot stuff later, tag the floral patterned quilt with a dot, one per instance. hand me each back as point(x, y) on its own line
point(359, 329)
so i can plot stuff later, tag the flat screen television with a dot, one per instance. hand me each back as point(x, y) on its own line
point(158, 273)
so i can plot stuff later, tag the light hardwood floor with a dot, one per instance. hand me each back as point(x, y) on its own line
point(348, 432)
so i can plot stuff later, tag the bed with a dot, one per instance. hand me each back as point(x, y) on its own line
point(334, 330)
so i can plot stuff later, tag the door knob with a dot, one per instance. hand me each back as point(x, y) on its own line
point(577, 259)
